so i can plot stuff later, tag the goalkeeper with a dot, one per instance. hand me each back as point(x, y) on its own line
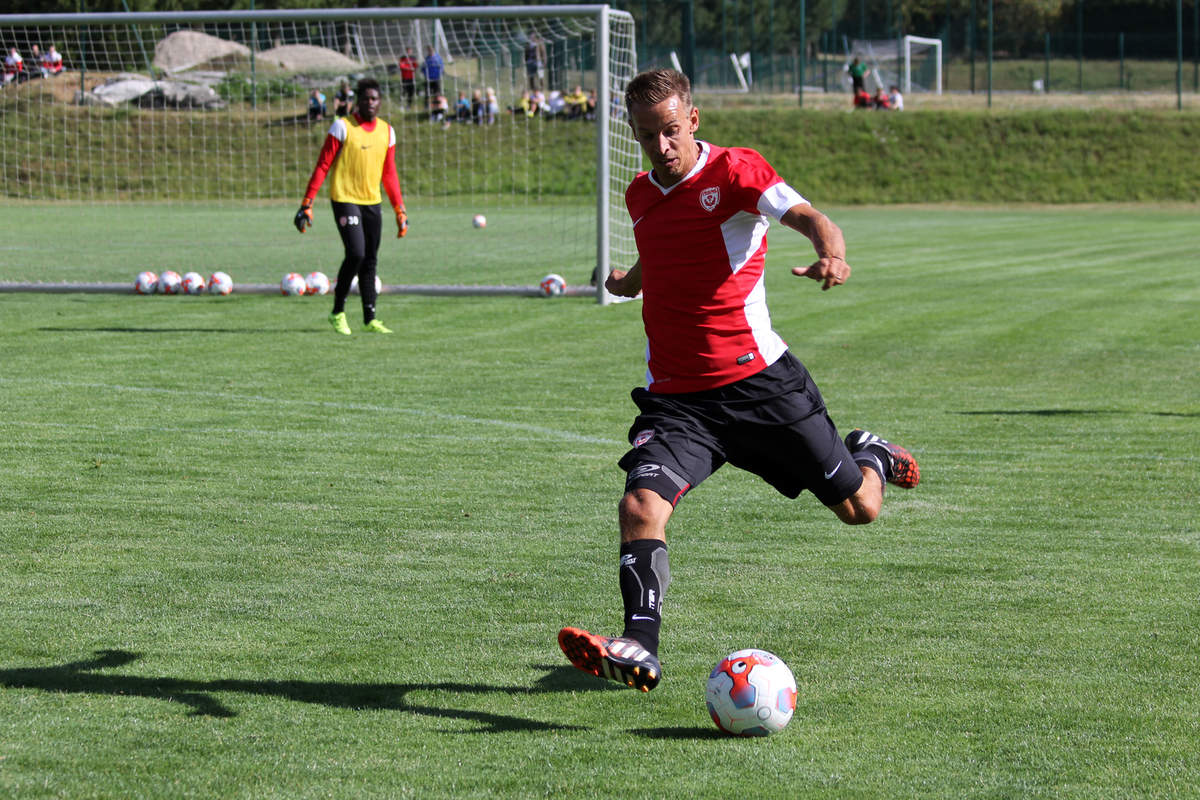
point(359, 153)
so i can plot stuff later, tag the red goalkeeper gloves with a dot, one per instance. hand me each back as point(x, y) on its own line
point(304, 217)
point(401, 223)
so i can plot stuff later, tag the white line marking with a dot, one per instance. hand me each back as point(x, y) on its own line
point(276, 401)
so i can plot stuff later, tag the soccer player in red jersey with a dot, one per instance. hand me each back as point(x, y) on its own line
point(359, 153)
point(721, 384)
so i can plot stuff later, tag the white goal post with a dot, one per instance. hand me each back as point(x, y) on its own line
point(214, 107)
point(924, 43)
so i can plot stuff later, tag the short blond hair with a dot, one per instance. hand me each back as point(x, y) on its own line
point(653, 86)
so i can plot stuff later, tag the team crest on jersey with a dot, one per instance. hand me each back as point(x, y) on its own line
point(710, 197)
point(642, 437)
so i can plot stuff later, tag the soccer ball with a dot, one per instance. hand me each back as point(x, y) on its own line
point(168, 282)
point(220, 283)
point(293, 284)
point(317, 282)
point(193, 283)
point(479, 221)
point(146, 283)
point(354, 285)
point(751, 693)
point(552, 285)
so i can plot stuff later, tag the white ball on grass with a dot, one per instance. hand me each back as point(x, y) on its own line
point(220, 283)
point(168, 282)
point(146, 283)
point(293, 285)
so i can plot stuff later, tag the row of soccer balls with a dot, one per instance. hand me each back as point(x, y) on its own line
point(170, 282)
point(293, 284)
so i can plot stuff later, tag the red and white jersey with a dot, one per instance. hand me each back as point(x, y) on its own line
point(702, 245)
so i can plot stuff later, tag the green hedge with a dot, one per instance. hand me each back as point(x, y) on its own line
point(955, 156)
point(830, 157)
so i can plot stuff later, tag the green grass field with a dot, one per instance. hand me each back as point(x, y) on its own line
point(246, 558)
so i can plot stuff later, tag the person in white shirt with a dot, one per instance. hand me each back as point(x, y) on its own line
point(895, 98)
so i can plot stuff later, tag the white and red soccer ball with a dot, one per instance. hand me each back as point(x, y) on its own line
point(317, 283)
point(751, 693)
point(146, 283)
point(220, 283)
point(354, 285)
point(479, 221)
point(293, 285)
point(193, 283)
point(552, 285)
point(169, 282)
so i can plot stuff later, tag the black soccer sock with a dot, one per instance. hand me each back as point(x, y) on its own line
point(865, 458)
point(644, 575)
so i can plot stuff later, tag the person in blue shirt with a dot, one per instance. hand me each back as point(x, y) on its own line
point(432, 70)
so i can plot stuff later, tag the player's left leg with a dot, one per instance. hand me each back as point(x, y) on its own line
point(372, 227)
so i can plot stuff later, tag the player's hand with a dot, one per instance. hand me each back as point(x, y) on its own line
point(831, 271)
point(619, 283)
point(401, 223)
point(304, 217)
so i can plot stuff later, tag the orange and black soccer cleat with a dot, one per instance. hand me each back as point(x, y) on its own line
point(615, 658)
point(902, 469)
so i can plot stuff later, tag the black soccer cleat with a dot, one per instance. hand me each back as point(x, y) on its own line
point(613, 657)
point(902, 469)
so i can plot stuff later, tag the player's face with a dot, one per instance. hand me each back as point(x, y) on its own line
point(666, 132)
point(368, 105)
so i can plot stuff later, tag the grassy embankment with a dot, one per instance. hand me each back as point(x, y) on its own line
point(918, 156)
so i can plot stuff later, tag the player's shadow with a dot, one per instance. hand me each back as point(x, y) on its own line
point(83, 677)
point(1069, 412)
point(167, 329)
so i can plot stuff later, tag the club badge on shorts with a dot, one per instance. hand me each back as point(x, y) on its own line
point(710, 197)
point(642, 437)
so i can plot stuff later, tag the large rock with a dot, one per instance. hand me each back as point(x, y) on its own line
point(308, 58)
point(186, 49)
point(149, 93)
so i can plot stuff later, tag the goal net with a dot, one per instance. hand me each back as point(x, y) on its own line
point(912, 63)
point(157, 113)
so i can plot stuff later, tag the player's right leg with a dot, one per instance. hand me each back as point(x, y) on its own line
point(349, 225)
point(632, 658)
point(672, 451)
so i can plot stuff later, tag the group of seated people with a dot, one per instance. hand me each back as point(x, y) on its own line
point(890, 100)
point(343, 102)
point(480, 108)
point(48, 64)
point(557, 105)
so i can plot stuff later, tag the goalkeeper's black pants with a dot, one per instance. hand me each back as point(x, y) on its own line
point(360, 228)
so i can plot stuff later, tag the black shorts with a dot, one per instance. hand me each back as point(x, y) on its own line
point(773, 424)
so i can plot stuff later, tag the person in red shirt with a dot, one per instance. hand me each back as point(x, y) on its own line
point(722, 386)
point(408, 76)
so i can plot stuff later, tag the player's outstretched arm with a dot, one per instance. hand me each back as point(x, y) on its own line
point(625, 283)
point(830, 268)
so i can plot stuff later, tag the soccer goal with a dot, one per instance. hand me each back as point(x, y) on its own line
point(228, 110)
point(913, 63)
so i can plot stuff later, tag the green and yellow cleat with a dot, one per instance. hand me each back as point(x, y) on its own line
point(375, 326)
point(338, 321)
